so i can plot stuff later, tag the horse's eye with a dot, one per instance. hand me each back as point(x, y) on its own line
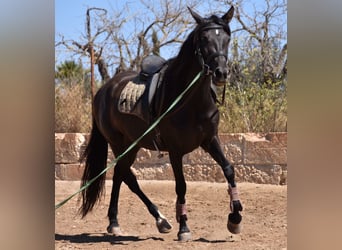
point(204, 39)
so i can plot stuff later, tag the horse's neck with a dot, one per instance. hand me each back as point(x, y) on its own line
point(179, 75)
point(185, 66)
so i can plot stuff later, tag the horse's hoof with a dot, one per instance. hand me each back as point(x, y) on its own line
point(233, 228)
point(233, 224)
point(116, 231)
point(163, 225)
point(183, 237)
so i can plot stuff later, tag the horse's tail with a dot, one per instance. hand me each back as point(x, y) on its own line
point(95, 156)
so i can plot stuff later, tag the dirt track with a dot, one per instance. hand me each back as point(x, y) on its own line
point(264, 218)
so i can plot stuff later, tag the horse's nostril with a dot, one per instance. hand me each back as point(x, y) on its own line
point(218, 73)
point(221, 74)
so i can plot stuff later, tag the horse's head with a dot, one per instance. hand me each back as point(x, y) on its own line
point(211, 40)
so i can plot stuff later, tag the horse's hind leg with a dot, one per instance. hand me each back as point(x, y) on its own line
point(122, 172)
point(162, 223)
point(113, 227)
point(234, 218)
point(125, 162)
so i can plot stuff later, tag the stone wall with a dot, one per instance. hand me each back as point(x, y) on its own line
point(258, 158)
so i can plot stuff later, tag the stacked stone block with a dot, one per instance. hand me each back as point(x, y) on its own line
point(258, 158)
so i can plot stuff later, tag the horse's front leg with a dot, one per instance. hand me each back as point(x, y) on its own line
point(184, 233)
point(234, 218)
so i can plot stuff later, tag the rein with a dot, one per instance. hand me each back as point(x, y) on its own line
point(223, 98)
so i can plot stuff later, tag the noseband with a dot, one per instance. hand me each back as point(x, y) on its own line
point(205, 67)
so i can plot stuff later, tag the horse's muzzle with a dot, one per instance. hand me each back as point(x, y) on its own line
point(220, 76)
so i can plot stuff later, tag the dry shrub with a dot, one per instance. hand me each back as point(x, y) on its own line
point(72, 109)
point(252, 109)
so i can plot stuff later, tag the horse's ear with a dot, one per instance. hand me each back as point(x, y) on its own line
point(196, 16)
point(229, 15)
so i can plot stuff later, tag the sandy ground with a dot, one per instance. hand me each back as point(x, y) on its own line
point(264, 218)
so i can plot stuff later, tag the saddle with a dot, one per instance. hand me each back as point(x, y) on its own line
point(137, 96)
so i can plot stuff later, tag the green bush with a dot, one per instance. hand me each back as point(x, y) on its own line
point(254, 108)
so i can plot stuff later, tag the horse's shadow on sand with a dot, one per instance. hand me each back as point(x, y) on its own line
point(210, 241)
point(96, 238)
point(115, 240)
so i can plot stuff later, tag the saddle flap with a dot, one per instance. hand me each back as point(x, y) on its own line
point(137, 96)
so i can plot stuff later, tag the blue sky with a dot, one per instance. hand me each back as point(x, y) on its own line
point(70, 19)
point(70, 15)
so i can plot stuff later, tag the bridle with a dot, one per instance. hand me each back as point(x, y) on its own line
point(205, 67)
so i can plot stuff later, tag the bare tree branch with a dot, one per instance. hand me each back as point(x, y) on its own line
point(121, 39)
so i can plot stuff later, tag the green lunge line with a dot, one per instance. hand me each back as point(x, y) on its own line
point(112, 164)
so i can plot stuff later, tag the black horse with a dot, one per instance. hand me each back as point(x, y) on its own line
point(192, 123)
